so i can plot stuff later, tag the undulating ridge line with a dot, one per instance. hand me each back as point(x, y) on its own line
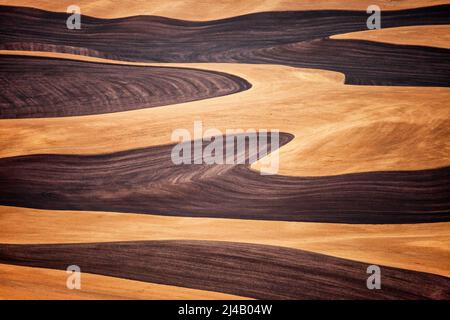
point(29, 283)
point(147, 181)
point(362, 62)
point(426, 243)
point(355, 114)
point(249, 270)
point(250, 38)
point(436, 36)
point(44, 87)
point(202, 11)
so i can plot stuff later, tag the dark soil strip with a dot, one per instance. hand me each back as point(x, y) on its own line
point(146, 181)
point(249, 270)
point(41, 87)
point(294, 38)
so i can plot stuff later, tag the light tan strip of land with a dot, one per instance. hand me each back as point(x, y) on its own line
point(202, 10)
point(23, 283)
point(421, 247)
point(431, 36)
point(338, 128)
